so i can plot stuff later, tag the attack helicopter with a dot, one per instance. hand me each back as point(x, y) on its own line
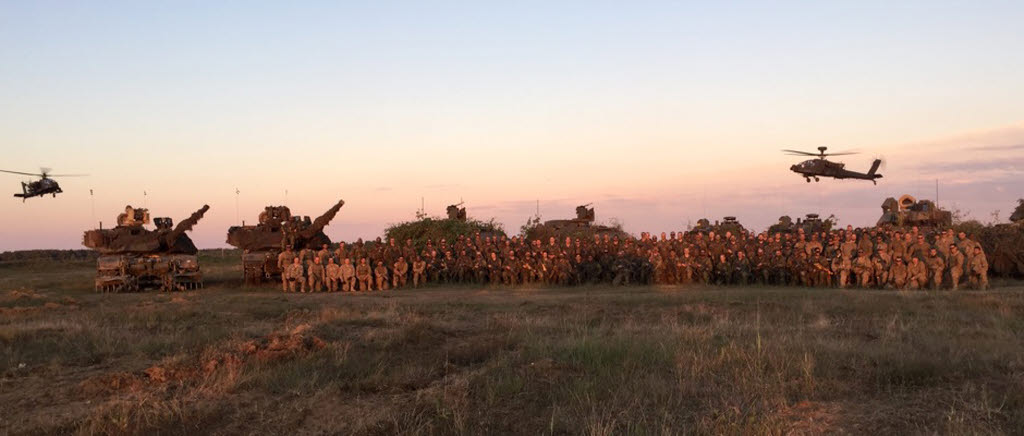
point(821, 167)
point(45, 184)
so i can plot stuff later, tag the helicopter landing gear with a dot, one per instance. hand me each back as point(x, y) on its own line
point(808, 179)
point(817, 179)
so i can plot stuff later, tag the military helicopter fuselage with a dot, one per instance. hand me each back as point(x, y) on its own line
point(38, 188)
point(821, 167)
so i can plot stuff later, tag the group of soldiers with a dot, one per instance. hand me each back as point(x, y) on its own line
point(875, 258)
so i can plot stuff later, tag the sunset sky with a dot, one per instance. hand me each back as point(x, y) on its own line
point(657, 112)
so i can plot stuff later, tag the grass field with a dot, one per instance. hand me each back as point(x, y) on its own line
point(229, 360)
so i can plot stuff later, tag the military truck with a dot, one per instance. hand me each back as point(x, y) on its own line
point(275, 231)
point(909, 212)
point(134, 258)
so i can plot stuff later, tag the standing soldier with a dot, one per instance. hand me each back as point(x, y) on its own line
point(381, 274)
point(364, 274)
point(956, 265)
point(347, 275)
point(316, 275)
point(936, 268)
point(324, 254)
point(332, 271)
point(419, 268)
point(979, 269)
point(295, 277)
point(284, 261)
point(304, 255)
point(341, 252)
point(401, 273)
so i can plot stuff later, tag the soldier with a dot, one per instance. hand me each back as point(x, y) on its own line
point(316, 275)
point(979, 269)
point(295, 277)
point(863, 269)
point(364, 274)
point(621, 269)
point(920, 248)
point(881, 263)
point(284, 260)
point(347, 275)
point(779, 275)
point(741, 269)
point(936, 268)
point(381, 274)
point(332, 271)
point(821, 275)
point(956, 265)
point(723, 270)
point(898, 273)
point(304, 255)
point(419, 268)
point(841, 266)
point(917, 274)
point(341, 252)
point(324, 254)
point(400, 276)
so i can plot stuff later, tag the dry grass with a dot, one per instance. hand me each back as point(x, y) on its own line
point(596, 361)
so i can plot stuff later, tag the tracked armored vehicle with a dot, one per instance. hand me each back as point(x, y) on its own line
point(581, 227)
point(811, 223)
point(134, 258)
point(277, 230)
point(908, 211)
point(728, 224)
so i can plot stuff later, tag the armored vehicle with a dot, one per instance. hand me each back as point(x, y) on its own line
point(908, 211)
point(728, 224)
point(811, 223)
point(277, 230)
point(133, 257)
point(456, 212)
point(581, 227)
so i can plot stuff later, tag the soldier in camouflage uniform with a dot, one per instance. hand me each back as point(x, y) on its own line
point(364, 274)
point(295, 276)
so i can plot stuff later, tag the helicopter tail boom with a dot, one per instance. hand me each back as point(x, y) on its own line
point(874, 168)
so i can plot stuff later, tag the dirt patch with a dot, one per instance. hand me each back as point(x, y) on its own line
point(807, 417)
point(278, 346)
point(227, 363)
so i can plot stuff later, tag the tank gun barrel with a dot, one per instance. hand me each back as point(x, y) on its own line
point(187, 224)
point(322, 221)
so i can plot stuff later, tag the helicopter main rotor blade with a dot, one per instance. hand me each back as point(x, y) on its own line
point(801, 153)
point(21, 173)
point(841, 154)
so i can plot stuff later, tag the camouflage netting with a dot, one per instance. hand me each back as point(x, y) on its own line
point(436, 229)
point(1003, 244)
